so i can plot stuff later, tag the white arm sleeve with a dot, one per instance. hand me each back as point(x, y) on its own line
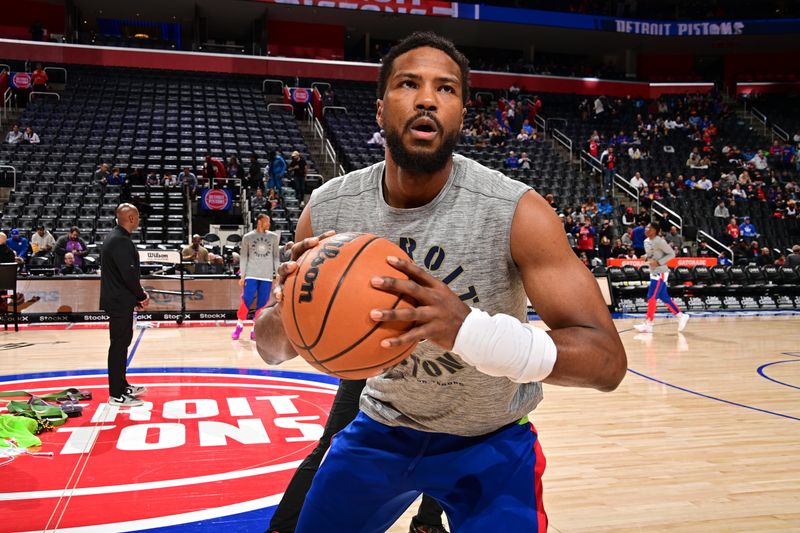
point(502, 346)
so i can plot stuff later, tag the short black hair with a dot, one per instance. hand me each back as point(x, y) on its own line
point(421, 39)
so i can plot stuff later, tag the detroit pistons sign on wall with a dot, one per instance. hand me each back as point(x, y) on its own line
point(207, 443)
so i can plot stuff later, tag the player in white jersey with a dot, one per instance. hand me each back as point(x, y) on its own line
point(259, 260)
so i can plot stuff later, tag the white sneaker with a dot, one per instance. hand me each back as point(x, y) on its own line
point(647, 327)
point(125, 400)
point(135, 390)
point(683, 318)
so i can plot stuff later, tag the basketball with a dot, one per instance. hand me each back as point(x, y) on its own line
point(327, 301)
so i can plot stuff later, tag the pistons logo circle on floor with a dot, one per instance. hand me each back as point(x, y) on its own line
point(207, 443)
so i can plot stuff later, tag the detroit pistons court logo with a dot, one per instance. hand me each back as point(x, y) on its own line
point(207, 443)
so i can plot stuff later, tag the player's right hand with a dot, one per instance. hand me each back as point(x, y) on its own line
point(297, 249)
point(241, 281)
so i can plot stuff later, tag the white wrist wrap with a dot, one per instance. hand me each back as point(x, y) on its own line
point(502, 346)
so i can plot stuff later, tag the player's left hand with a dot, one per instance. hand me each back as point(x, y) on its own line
point(439, 312)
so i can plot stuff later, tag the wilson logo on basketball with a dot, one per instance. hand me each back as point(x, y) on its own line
point(216, 199)
point(329, 250)
point(228, 439)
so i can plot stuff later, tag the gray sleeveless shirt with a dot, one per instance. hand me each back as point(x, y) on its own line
point(461, 237)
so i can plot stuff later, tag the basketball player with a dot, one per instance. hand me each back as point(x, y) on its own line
point(259, 257)
point(658, 253)
point(458, 432)
point(121, 293)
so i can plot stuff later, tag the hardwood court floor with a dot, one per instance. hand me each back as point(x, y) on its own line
point(703, 435)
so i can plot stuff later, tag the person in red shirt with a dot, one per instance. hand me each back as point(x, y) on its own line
point(39, 79)
point(593, 149)
point(733, 229)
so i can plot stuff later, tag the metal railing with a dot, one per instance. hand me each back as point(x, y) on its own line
point(671, 214)
point(61, 69)
point(327, 107)
point(716, 246)
point(541, 123)
point(320, 84)
point(270, 81)
point(780, 133)
point(556, 119)
point(14, 173)
point(8, 96)
point(30, 96)
point(287, 107)
point(341, 171)
point(329, 152)
point(618, 182)
point(776, 131)
point(565, 141)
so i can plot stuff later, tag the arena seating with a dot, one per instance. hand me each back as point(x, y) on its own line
point(151, 120)
point(353, 126)
point(695, 207)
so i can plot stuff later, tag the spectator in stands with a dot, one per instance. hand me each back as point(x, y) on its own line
point(30, 136)
point(628, 218)
point(759, 161)
point(152, 180)
point(793, 259)
point(526, 132)
point(214, 172)
point(116, 177)
point(608, 160)
point(605, 209)
point(189, 180)
point(599, 108)
point(233, 170)
point(15, 136)
point(525, 162)
point(748, 230)
point(638, 182)
point(170, 180)
point(276, 170)
point(637, 238)
point(703, 250)
point(627, 238)
point(329, 98)
point(585, 238)
point(39, 79)
point(766, 258)
point(195, 252)
point(512, 161)
point(258, 203)
point(377, 139)
point(19, 244)
point(618, 250)
point(73, 243)
point(723, 259)
point(69, 268)
point(37, 31)
point(255, 178)
point(732, 230)
point(704, 184)
point(7, 255)
point(297, 172)
point(101, 174)
point(721, 211)
point(674, 238)
point(739, 194)
point(513, 91)
point(42, 241)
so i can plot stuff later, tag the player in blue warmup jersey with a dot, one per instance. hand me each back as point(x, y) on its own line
point(452, 420)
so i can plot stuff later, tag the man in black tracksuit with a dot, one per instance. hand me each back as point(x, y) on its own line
point(120, 293)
